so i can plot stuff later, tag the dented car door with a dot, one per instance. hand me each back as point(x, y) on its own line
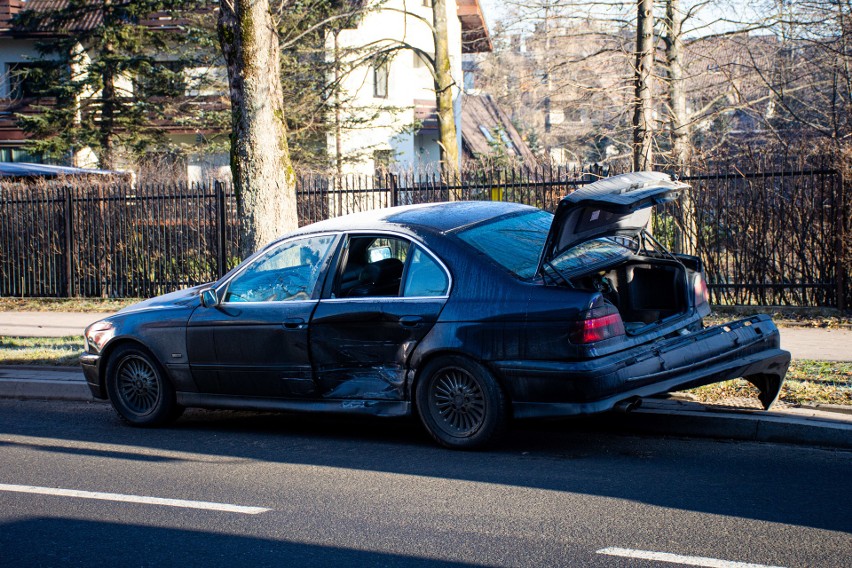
point(363, 335)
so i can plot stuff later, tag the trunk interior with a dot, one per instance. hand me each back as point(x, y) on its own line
point(645, 290)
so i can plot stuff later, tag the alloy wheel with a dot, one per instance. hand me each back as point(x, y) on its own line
point(457, 402)
point(138, 385)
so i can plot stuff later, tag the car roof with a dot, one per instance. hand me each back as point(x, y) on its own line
point(434, 217)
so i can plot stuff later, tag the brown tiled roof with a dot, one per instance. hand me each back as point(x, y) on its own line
point(483, 111)
point(475, 37)
point(87, 18)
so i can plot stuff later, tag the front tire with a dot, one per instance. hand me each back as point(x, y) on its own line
point(460, 403)
point(138, 389)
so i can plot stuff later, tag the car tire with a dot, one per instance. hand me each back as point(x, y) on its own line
point(460, 403)
point(138, 389)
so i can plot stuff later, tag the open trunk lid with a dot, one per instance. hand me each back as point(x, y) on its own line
point(616, 206)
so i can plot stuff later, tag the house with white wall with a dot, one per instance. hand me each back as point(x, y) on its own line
point(388, 119)
point(396, 82)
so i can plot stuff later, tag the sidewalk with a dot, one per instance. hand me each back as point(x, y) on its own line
point(819, 344)
point(46, 324)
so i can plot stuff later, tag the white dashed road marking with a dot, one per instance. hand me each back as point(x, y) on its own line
point(678, 558)
point(134, 499)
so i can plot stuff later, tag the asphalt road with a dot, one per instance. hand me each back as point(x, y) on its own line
point(343, 492)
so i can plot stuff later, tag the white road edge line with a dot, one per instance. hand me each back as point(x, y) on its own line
point(134, 499)
point(678, 558)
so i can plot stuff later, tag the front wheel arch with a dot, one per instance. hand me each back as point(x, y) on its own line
point(107, 352)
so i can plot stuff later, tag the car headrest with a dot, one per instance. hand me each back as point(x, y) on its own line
point(384, 270)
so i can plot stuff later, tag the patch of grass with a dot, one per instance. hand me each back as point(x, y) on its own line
point(97, 305)
point(808, 382)
point(50, 351)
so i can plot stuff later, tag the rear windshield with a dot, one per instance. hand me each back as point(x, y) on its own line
point(590, 256)
point(514, 243)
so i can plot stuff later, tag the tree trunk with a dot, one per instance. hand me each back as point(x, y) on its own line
point(643, 126)
point(264, 180)
point(679, 122)
point(444, 92)
point(548, 81)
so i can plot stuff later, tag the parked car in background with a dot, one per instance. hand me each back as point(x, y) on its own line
point(467, 314)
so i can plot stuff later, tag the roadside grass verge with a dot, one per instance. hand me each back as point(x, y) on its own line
point(41, 351)
point(808, 382)
point(783, 316)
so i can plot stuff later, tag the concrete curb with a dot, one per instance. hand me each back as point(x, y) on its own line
point(45, 390)
point(43, 383)
point(666, 416)
point(795, 426)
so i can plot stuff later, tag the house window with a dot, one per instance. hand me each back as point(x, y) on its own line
point(381, 161)
point(380, 79)
point(487, 133)
point(19, 155)
point(31, 79)
point(424, 60)
point(468, 78)
point(504, 136)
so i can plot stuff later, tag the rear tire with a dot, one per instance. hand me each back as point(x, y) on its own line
point(460, 403)
point(138, 389)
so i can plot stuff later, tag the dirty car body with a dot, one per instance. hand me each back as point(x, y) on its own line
point(466, 314)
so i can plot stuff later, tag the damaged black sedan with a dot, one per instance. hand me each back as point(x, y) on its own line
point(467, 314)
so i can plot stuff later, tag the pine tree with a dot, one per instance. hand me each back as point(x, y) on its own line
point(112, 76)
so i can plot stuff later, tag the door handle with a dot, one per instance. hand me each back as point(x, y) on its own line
point(294, 323)
point(410, 321)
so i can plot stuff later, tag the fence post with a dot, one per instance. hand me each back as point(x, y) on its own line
point(69, 243)
point(394, 190)
point(843, 212)
point(221, 223)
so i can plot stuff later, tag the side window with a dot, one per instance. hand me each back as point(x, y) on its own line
point(425, 277)
point(381, 72)
point(372, 267)
point(287, 272)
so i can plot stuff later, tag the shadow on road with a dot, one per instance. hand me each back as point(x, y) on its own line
point(769, 482)
point(72, 542)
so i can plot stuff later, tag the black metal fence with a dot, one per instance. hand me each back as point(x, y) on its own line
point(769, 238)
point(113, 240)
point(773, 238)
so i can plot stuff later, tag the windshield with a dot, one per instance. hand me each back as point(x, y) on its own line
point(514, 242)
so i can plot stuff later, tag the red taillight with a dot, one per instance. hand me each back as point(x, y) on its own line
point(699, 289)
point(601, 323)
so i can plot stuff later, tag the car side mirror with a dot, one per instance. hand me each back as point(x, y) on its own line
point(209, 299)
